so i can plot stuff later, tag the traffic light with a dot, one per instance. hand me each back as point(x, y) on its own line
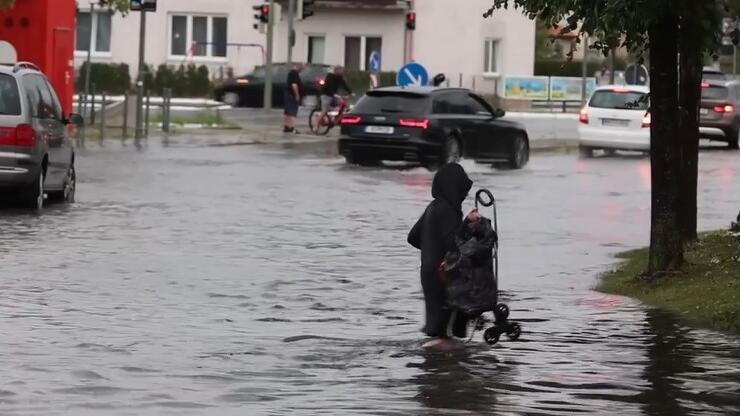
point(411, 20)
point(262, 16)
point(305, 9)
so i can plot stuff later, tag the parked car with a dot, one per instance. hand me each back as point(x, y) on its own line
point(249, 90)
point(36, 154)
point(430, 125)
point(615, 118)
point(718, 112)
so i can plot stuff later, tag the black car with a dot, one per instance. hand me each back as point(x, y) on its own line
point(249, 90)
point(432, 126)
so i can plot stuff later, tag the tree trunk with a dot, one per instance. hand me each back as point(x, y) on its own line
point(690, 75)
point(666, 244)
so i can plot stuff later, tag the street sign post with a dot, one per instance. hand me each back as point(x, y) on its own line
point(412, 75)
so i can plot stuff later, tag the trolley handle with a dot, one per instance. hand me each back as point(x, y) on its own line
point(484, 202)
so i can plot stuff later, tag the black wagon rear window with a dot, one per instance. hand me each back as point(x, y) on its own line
point(621, 100)
point(393, 102)
point(714, 93)
point(10, 102)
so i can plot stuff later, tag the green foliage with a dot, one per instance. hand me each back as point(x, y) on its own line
point(359, 81)
point(108, 78)
point(561, 68)
point(706, 292)
point(185, 81)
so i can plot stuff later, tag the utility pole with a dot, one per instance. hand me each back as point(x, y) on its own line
point(291, 33)
point(584, 69)
point(140, 81)
point(611, 66)
point(83, 101)
point(268, 64)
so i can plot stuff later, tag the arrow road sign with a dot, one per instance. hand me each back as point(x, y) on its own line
point(413, 75)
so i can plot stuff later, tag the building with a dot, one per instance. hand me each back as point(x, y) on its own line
point(42, 32)
point(451, 37)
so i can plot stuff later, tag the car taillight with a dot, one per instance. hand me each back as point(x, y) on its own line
point(416, 123)
point(646, 121)
point(348, 119)
point(729, 108)
point(583, 116)
point(25, 136)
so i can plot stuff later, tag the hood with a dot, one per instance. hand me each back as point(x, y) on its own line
point(452, 184)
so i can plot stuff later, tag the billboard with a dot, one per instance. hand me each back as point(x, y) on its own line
point(526, 88)
point(570, 88)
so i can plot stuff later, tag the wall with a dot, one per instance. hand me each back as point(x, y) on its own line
point(336, 25)
point(125, 35)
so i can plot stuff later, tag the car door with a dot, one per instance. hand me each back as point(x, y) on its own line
point(479, 115)
point(493, 137)
point(62, 146)
point(461, 120)
point(50, 130)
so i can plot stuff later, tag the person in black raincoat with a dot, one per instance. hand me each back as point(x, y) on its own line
point(434, 234)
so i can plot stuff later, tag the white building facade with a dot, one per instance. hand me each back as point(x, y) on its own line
point(450, 37)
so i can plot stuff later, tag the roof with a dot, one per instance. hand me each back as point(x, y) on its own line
point(425, 90)
point(637, 88)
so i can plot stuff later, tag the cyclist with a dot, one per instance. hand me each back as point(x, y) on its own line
point(334, 80)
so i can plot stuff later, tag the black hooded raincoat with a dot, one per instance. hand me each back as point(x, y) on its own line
point(434, 234)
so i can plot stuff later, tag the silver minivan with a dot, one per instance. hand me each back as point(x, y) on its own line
point(36, 153)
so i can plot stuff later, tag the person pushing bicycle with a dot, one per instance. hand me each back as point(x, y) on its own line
point(333, 82)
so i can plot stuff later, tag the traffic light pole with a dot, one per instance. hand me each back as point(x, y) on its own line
point(139, 133)
point(291, 35)
point(268, 64)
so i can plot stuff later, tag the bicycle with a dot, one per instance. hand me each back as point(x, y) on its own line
point(322, 127)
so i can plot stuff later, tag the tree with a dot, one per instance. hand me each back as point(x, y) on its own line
point(664, 28)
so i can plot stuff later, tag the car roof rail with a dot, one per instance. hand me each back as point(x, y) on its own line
point(25, 65)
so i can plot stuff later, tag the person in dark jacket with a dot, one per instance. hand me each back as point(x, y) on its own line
point(434, 234)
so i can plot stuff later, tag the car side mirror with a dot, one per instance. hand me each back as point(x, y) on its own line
point(76, 119)
point(498, 113)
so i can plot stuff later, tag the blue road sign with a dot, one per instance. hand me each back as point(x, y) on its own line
point(375, 62)
point(412, 75)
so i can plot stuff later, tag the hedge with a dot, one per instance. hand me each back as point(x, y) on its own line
point(108, 78)
point(359, 81)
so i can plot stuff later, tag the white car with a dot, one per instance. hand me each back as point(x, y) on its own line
point(615, 118)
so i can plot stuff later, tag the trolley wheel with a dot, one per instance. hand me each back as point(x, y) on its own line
point(492, 335)
point(501, 312)
point(515, 330)
point(480, 322)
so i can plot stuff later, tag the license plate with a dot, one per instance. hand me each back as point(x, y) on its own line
point(614, 122)
point(379, 129)
point(704, 111)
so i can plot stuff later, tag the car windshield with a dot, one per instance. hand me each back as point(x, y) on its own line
point(10, 103)
point(714, 93)
point(393, 102)
point(621, 100)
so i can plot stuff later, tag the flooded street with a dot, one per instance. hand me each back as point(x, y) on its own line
point(276, 280)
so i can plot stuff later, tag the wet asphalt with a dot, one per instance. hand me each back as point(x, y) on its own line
point(208, 275)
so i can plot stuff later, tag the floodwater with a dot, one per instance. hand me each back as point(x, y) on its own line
point(233, 280)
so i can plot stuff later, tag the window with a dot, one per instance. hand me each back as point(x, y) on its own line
point(378, 102)
point(357, 51)
point(490, 57)
point(451, 103)
point(98, 23)
point(630, 100)
point(10, 102)
point(42, 102)
point(475, 106)
point(200, 36)
point(316, 49)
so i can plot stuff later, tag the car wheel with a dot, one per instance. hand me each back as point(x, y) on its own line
point(70, 188)
point(585, 151)
point(232, 99)
point(451, 151)
point(733, 137)
point(34, 196)
point(520, 153)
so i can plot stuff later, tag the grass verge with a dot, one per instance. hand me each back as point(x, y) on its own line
point(706, 293)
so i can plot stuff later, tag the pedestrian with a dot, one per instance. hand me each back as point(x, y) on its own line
point(292, 98)
point(434, 234)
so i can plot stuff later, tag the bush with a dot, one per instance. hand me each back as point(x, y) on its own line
point(564, 68)
point(185, 81)
point(108, 78)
